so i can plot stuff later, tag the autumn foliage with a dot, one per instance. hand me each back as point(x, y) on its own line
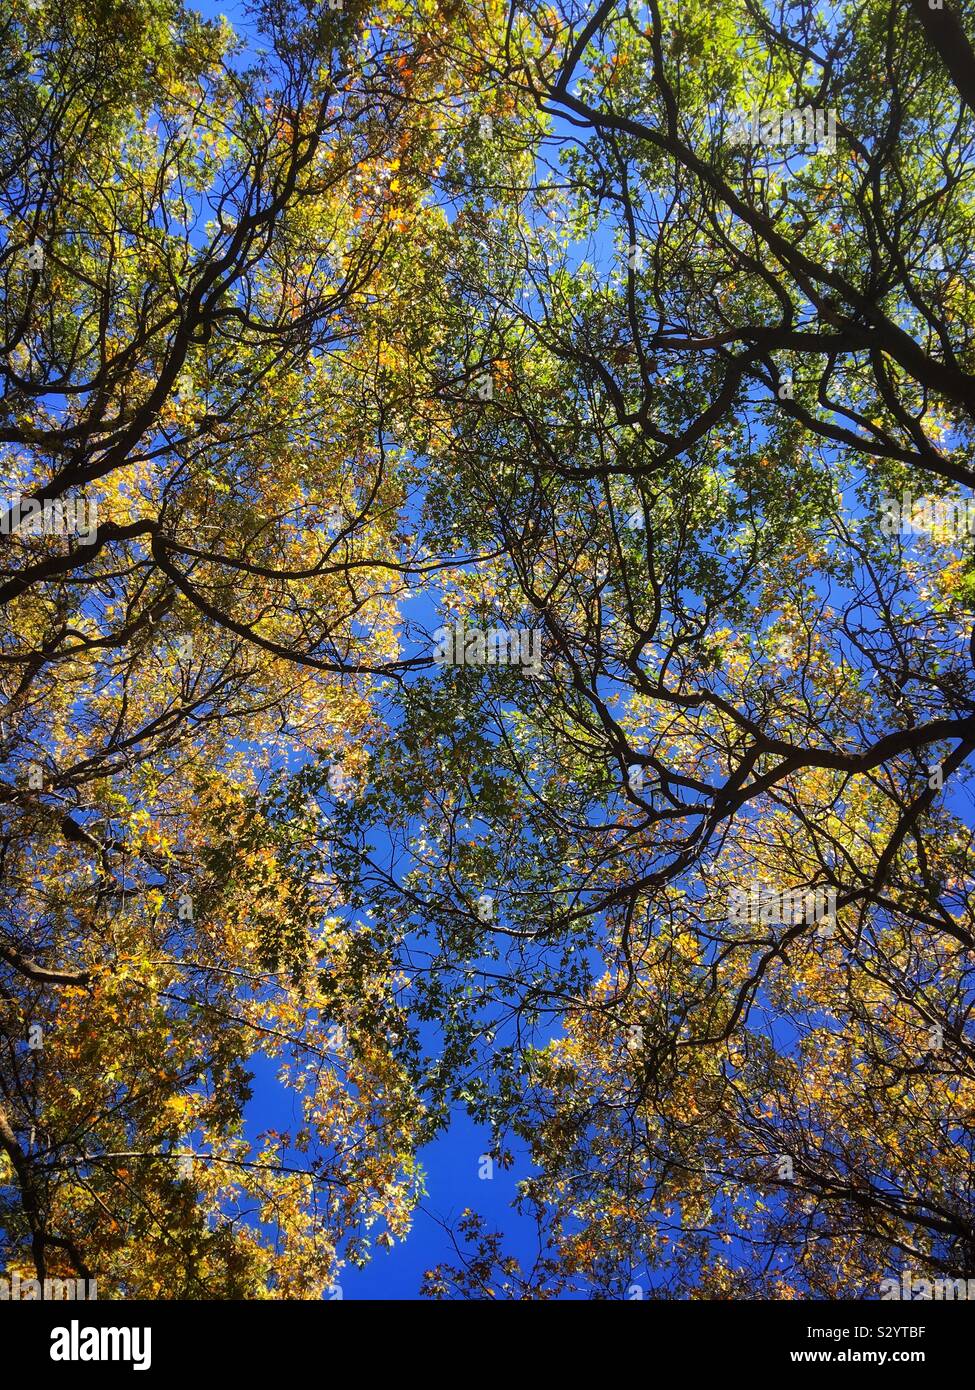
point(369, 320)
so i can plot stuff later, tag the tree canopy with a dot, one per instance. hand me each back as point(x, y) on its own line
point(487, 637)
